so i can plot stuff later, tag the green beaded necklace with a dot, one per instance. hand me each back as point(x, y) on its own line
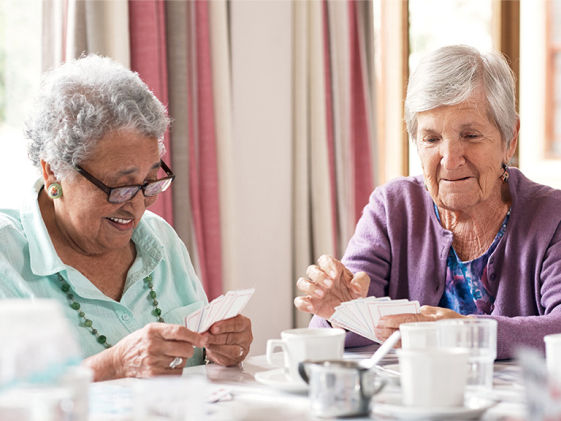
point(88, 324)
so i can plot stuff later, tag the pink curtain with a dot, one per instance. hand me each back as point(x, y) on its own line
point(360, 133)
point(203, 171)
point(148, 58)
point(329, 126)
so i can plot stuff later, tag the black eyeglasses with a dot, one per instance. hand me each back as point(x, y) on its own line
point(125, 193)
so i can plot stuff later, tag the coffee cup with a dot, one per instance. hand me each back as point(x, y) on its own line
point(418, 335)
point(310, 344)
point(433, 377)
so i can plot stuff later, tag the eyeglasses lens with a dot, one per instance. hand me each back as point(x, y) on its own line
point(152, 189)
point(122, 194)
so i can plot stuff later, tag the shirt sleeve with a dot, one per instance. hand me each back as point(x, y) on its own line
point(12, 283)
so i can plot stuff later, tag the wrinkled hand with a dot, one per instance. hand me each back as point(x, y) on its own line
point(389, 324)
point(148, 351)
point(328, 284)
point(227, 342)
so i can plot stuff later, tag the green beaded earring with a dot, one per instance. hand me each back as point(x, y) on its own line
point(54, 191)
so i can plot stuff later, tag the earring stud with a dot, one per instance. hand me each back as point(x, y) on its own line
point(54, 191)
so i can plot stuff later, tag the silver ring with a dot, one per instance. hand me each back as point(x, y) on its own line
point(177, 361)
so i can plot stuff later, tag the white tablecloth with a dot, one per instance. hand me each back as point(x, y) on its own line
point(240, 397)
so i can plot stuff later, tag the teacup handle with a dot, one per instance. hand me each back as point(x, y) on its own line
point(382, 384)
point(273, 344)
point(302, 371)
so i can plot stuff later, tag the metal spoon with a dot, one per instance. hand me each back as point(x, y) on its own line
point(388, 344)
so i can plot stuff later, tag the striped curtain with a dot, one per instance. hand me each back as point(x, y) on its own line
point(272, 139)
point(181, 30)
point(334, 137)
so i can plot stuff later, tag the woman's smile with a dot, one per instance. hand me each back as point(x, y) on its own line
point(122, 224)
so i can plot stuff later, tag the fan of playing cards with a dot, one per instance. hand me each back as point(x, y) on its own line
point(361, 315)
point(221, 308)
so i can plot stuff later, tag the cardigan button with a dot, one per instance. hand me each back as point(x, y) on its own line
point(493, 276)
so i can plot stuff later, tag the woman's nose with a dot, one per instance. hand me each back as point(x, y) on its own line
point(452, 153)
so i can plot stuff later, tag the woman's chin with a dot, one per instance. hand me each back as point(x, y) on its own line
point(458, 202)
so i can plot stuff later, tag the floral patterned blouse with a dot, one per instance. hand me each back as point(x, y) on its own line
point(467, 289)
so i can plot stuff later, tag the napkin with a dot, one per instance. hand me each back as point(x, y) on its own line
point(361, 315)
point(221, 308)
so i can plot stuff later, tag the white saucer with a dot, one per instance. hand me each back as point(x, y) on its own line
point(390, 404)
point(278, 379)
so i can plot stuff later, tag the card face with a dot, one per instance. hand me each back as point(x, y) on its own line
point(221, 308)
point(362, 315)
point(241, 298)
point(193, 319)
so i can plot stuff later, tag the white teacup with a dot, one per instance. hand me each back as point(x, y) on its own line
point(553, 354)
point(419, 335)
point(310, 344)
point(433, 377)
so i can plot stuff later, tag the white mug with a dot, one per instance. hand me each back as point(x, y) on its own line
point(419, 335)
point(433, 377)
point(310, 344)
point(553, 354)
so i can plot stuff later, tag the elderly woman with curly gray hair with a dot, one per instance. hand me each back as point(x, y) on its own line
point(85, 238)
point(471, 236)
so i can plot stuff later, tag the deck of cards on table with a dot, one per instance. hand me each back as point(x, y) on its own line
point(221, 308)
point(361, 315)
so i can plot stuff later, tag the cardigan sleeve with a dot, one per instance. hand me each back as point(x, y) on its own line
point(529, 331)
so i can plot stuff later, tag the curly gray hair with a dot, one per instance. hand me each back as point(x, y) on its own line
point(449, 75)
point(83, 100)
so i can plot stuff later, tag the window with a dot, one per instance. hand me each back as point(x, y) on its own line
point(553, 79)
point(540, 90)
point(20, 69)
point(456, 22)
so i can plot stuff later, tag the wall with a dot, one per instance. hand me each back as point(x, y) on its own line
point(261, 103)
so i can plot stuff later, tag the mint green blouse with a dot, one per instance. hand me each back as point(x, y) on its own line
point(29, 266)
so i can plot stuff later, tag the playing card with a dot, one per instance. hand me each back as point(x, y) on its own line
point(193, 319)
point(361, 315)
point(241, 299)
point(223, 307)
point(209, 314)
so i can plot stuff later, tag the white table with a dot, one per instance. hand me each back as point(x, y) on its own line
point(246, 399)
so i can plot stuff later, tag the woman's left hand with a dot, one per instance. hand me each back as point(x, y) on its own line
point(228, 341)
point(389, 324)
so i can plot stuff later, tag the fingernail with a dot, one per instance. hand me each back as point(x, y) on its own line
point(309, 309)
point(327, 282)
point(319, 292)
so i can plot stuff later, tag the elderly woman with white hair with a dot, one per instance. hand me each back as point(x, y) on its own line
point(471, 236)
point(85, 238)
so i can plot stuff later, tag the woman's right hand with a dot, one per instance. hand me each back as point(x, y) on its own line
point(146, 352)
point(328, 284)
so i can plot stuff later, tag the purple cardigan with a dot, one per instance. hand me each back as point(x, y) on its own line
point(401, 245)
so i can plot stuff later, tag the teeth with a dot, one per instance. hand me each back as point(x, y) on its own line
point(120, 220)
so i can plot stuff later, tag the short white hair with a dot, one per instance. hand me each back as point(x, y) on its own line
point(83, 100)
point(449, 76)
